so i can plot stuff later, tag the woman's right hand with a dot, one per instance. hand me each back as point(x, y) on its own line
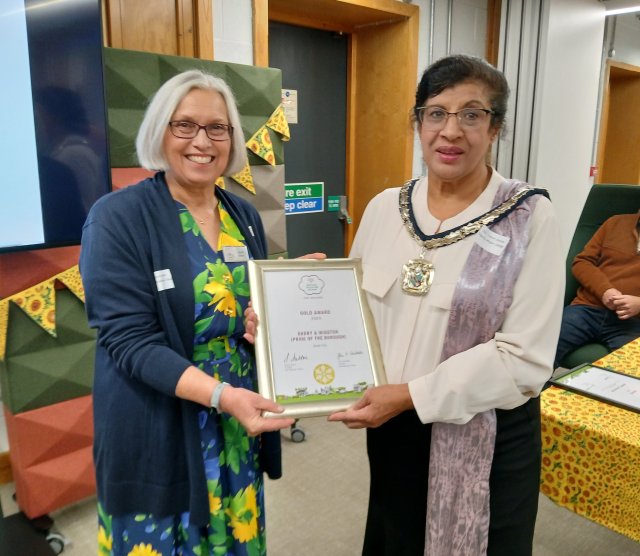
point(247, 407)
point(250, 317)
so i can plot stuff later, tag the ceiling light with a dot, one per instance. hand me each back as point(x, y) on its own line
point(618, 11)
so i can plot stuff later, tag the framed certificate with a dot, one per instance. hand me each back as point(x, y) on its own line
point(602, 384)
point(316, 345)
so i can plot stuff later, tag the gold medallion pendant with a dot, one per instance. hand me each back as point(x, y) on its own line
point(417, 276)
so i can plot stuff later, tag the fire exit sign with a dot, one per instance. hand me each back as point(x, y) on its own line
point(303, 197)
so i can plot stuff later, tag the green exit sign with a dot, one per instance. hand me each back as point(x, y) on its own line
point(333, 203)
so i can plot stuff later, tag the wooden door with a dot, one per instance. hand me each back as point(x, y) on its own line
point(174, 27)
point(619, 140)
point(381, 82)
point(316, 153)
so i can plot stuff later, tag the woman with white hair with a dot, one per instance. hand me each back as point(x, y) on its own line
point(179, 449)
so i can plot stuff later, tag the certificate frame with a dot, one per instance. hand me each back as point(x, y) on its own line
point(288, 294)
point(565, 381)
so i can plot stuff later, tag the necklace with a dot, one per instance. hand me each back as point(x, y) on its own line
point(417, 274)
point(179, 197)
point(197, 218)
point(200, 220)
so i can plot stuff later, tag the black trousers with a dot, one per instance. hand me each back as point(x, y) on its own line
point(399, 463)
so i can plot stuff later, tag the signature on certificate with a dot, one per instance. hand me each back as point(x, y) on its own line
point(293, 357)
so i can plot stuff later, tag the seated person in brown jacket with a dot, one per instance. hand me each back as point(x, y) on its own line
point(606, 308)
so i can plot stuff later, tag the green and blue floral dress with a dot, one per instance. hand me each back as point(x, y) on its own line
point(236, 504)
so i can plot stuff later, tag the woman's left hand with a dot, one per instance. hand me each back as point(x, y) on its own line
point(317, 256)
point(376, 407)
point(250, 324)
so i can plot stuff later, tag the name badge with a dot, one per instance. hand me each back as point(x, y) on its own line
point(164, 280)
point(492, 242)
point(233, 254)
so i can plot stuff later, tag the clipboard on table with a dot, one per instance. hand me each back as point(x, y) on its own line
point(602, 384)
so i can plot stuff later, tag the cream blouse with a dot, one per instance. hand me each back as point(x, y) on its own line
point(502, 373)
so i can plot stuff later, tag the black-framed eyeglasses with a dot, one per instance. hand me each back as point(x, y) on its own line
point(188, 130)
point(434, 118)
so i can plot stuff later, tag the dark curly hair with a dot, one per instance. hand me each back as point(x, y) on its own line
point(452, 70)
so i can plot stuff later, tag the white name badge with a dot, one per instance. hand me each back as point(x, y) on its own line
point(235, 254)
point(491, 242)
point(164, 280)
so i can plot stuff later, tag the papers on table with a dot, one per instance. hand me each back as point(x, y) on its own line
point(603, 384)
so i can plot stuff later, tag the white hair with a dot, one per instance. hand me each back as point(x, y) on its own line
point(149, 142)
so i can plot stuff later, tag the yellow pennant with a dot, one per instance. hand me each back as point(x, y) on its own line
point(220, 182)
point(245, 179)
point(278, 122)
point(4, 326)
point(39, 303)
point(71, 278)
point(261, 145)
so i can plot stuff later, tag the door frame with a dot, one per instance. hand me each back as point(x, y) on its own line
point(382, 60)
point(617, 161)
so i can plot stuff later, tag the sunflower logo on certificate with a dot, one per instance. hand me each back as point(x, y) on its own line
point(324, 374)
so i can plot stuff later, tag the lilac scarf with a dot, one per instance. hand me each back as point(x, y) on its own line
point(461, 455)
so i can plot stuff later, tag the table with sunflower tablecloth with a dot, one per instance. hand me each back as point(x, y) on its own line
point(591, 452)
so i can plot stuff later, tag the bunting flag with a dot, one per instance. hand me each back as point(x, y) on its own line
point(245, 179)
point(278, 122)
point(39, 303)
point(4, 326)
point(220, 182)
point(71, 278)
point(261, 145)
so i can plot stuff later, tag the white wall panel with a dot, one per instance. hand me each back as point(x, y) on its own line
point(459, 27)
point(423, 62)
point(518, 59)
point(626, 39)
point(233, 31)
point(469, 27)
point(566, 106)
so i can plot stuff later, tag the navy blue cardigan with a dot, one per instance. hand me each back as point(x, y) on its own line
point(147, 445)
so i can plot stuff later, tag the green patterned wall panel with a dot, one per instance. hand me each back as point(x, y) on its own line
point(132, 77)
point(40, 370)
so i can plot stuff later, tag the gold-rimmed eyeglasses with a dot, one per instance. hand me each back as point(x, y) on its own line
point(188, 130)
point(434, 118)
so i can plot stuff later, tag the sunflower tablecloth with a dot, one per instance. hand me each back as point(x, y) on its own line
point(591, 452)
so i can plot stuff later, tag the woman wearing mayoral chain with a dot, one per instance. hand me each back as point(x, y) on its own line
point(468, 329)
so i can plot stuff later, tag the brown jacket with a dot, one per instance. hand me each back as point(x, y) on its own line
point(609, 260)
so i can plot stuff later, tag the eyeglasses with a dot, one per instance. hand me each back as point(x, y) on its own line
point(188, 130)
point(434, 118)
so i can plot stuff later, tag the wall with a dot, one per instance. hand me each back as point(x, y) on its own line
point(458, 27)
point(233, 31)
point(626, 39)
point(566, 105)
point(21, 270)
point(233, 40)
point(555, 148)
point(466, 20)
